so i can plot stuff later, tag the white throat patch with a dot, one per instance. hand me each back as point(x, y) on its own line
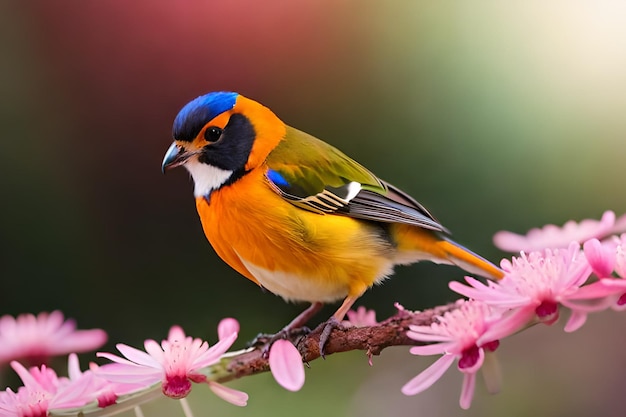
point(206, 178)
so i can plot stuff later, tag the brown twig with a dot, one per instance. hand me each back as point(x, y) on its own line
point(372, 339)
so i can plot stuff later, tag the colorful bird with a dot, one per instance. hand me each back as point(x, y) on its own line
point(295, 215)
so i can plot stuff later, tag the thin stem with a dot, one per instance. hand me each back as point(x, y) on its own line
point(186, 409)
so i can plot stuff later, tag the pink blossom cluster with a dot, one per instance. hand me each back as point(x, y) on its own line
point(35, 339)
point(537, 286)
point(174, 364)
point(44, 391)
point(171, 365)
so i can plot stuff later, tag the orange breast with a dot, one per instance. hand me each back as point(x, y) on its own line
point(292, 252)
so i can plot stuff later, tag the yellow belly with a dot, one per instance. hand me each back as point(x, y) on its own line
point(294, 253)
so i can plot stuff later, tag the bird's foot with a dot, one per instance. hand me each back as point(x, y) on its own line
point(295, 328)
point(264, 341)
point(327, 328)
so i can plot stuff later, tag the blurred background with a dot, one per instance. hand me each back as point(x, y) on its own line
point(493, 116)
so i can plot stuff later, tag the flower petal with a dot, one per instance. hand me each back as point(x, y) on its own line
point(286, 365)
point(79, 341)
point(27, 379)
point(492, 295)
point(434, 349)
point(507, 325)
point(467, 390)
point(214, 353)
point(73, 367)
point(115, 358)
point(231, 395)
point(137, 356)
point(426, 335)
point(226, 327)
point(154, 352)
point(429, 376)
point(129, 374)
point(601, 258)
point(492, 374)
point(552, 236)
point(598, 289)
point(575, 321)
point(176, 333)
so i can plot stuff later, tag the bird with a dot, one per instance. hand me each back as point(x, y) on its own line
point(294, 214)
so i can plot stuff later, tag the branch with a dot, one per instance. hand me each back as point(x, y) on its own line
point(251, 361)
point(372, 339)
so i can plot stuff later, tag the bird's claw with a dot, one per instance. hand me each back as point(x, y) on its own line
point(260, 340)
point(264, 341)
point(327, 328)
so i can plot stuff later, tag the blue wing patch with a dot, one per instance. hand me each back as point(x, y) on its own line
point(277, 178)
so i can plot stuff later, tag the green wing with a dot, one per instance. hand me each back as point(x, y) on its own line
point(315, 176)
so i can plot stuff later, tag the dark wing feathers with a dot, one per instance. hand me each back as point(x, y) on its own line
point(397, 205)
point(321, 179)
point(372, 206)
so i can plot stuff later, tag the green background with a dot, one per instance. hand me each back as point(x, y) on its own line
point(495, 116)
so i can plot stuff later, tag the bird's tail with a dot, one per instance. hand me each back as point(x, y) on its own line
point(414, 243)
point(468, 260)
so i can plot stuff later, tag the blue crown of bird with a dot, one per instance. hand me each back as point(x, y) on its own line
point(294, 214)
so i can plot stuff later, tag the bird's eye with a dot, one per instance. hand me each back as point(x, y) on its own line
point(212, 134)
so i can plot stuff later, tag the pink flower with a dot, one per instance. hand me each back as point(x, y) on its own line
point(601, 256)
point(532, 288)
point(105, 392)
point(36, 339)
point(44, 391)
point(362, 317)
point(286, 365)
point(551, 236)
point(176, 363)
point(607, 258)
point(464, 335)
